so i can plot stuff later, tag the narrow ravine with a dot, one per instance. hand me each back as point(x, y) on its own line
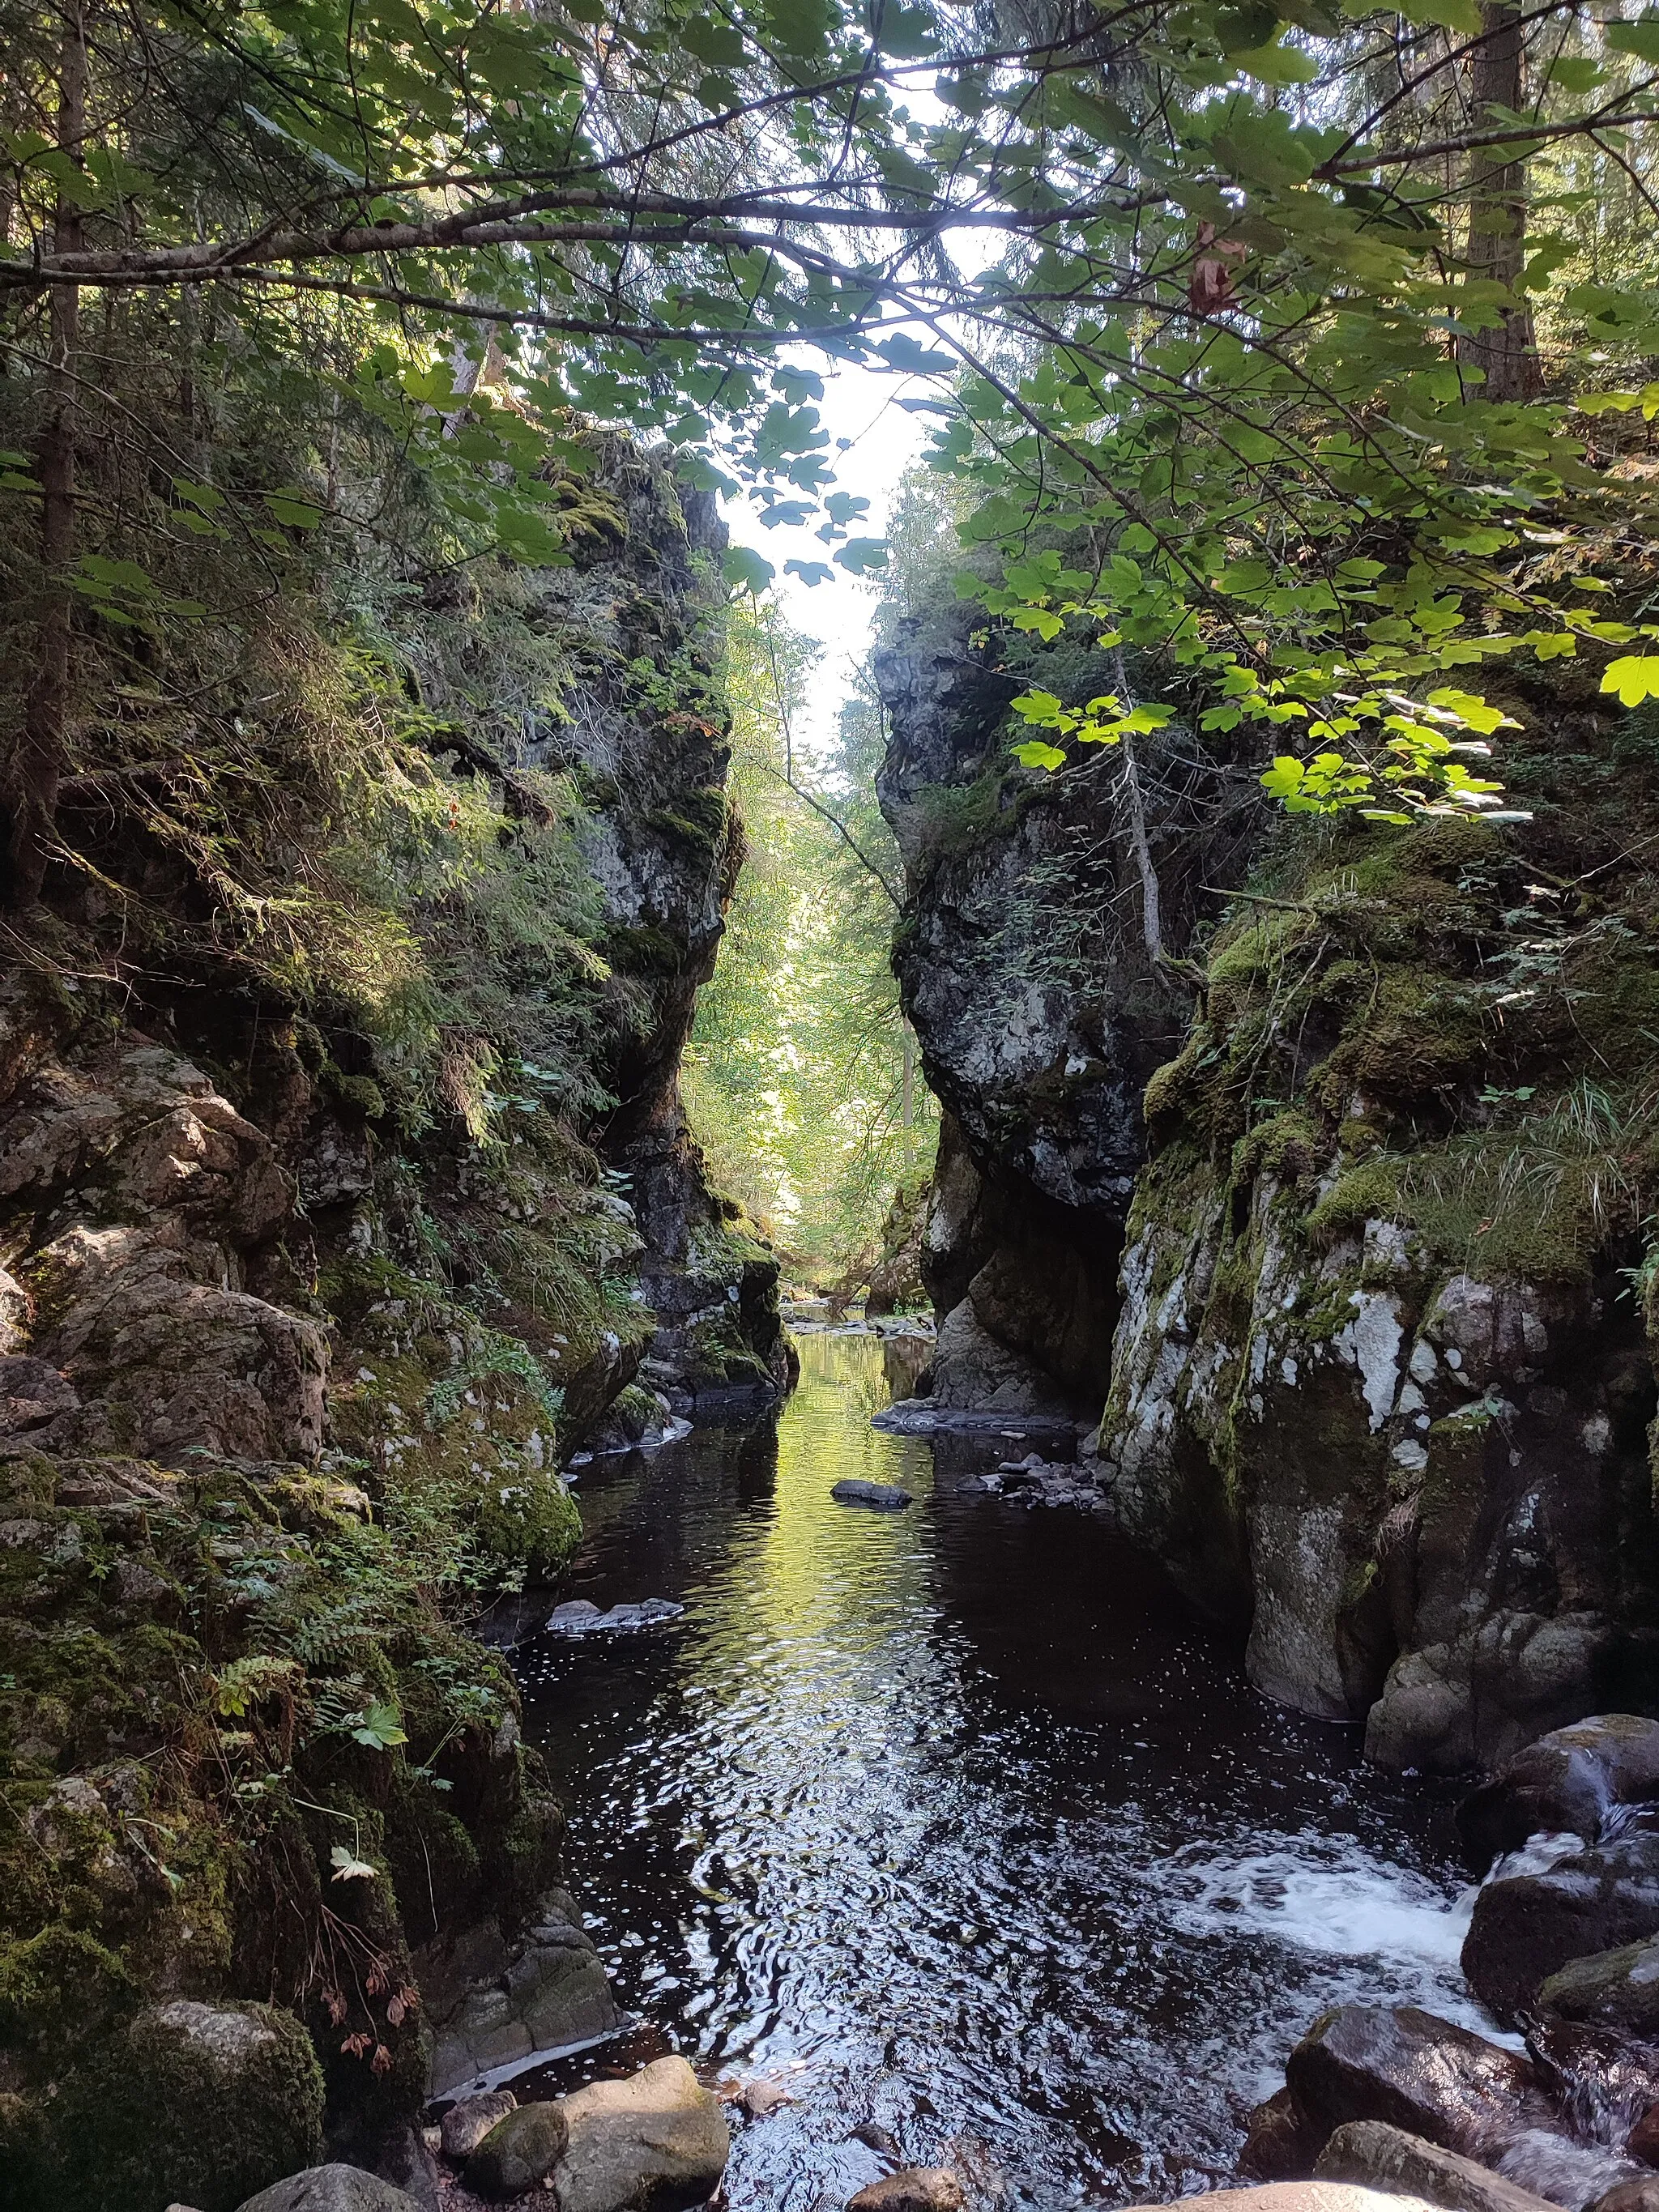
point(957, 1821)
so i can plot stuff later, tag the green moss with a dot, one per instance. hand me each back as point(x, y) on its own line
point(1286, 1146)
point(531, 1524)
point(156, 2115)
point(1370, 1191)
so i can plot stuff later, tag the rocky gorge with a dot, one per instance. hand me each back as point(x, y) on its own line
point(1289, 1206)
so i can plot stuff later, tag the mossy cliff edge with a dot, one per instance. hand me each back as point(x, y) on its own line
point(330, 1217)
point(1368, 1282)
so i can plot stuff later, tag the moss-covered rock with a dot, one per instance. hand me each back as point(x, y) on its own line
point(190, 2103)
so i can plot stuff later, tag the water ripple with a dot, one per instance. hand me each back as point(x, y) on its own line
point(959, 1821)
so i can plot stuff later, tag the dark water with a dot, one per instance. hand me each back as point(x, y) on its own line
point(958, 1821)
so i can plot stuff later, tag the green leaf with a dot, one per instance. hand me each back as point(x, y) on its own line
point(380, 1728)
point(744, 569)
point(1640, 38)
point(1634, 679)
point(1278, 65)
point(861, 556)
point(1035, 753)
point(717, 43)
point(348, 1869)
point(903, 352)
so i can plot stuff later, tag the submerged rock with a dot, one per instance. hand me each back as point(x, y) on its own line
point(886, 1497)
point(1529, 1926)
point(519, 2151)
point(656, 2142)
point(913, 2188)
point(582, 1617)
point(1567, 1782)
point(1382, 2157)
point(1423, 2074)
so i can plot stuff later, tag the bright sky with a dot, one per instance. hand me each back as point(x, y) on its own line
point(862, 404)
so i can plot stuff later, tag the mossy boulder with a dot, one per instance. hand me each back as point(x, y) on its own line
point(191, 2103)
point(530, 1523)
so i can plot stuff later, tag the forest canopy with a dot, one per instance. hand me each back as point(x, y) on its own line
point(1306, 349)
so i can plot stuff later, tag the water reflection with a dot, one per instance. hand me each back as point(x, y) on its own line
point(958, 1817)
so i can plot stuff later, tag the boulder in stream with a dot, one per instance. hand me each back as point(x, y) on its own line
point(1566, 1782)
point(655, 2142)
point(1418, 2073)
point(885, 1497)
point(1527, 1927)
point(913, 2188)
point(1382, 2157)
point(519, 2151)
point(582, 1617)
point(1640, 2194)
point(1617, 1989)
point(466, 2123)
point(1296, 2196)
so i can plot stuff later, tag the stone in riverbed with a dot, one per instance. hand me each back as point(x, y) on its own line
point(519, 2151)
point(886, 1497)
point(916, 2189)
point(656, 2142)
point(1530, 1926)
point(1381, 2157)
point(582, 1617)
point(1616, 1989)
point(1277, 2144)
point(1420, 2074)
point(1636, 2195)
point(1644, 2140)
point(331, 2189)
point(466, 2124)
point(1567, 1781)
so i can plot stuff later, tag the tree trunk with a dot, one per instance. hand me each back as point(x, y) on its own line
point(36, 770)
point(1498, 215)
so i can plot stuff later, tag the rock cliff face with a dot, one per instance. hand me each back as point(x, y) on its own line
point(288, 1365)
point(1025, 967)
point(1363, 1291)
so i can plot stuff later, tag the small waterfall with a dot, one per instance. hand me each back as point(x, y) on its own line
point(1566, 2172)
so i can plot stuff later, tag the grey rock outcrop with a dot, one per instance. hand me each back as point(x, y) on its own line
point(1040, 1014)
point(491, 2002)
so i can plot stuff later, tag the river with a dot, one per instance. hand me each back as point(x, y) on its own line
point(957, 1821)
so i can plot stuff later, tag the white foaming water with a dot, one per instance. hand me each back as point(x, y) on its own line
point(1566, 2173)
point(1547, 1848)
point(1329, 1898)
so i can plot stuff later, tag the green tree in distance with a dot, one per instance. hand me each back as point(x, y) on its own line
point(801, 1077)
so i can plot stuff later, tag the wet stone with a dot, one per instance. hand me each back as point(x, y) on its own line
point(466, 2124)
point(519, 2151)
point(914, 2189)
point(885, 1497)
